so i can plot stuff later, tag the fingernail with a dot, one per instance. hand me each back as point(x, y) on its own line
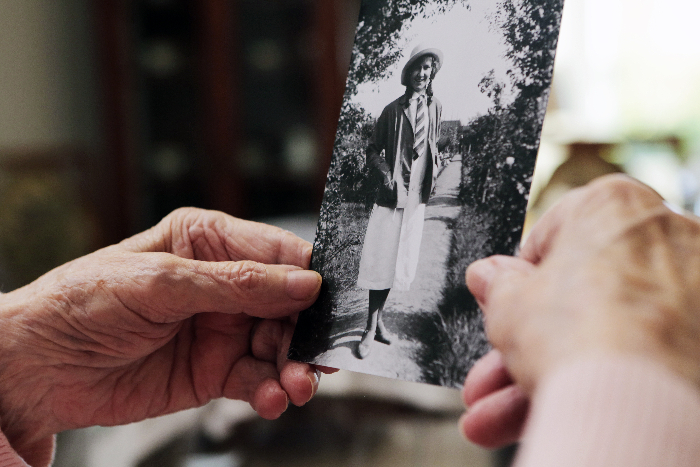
point(314, 378)
point(480, 275)
point(302, 284)
point(308, 251)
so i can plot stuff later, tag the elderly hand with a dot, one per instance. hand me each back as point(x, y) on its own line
point(196, 308)
point(609, 270)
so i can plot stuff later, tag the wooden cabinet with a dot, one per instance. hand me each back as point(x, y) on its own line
point(222, 104)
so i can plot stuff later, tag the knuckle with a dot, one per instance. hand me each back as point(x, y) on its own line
point(248, 275)
point(176, 216)
point(294, 250)
point(618, 200)
point(160, 271)
point(157, 280)
point(184, 212)
point(265, 340)
point(182, 217)
point(691, 226)
point(615, 179)
point(660, 224)
point(619, 187)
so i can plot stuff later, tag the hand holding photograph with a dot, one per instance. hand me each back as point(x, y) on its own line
point(431, 169)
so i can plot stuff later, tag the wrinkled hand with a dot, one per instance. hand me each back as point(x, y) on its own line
point(609, 270)
point(196, 308)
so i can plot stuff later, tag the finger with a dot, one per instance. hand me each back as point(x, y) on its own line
point(479, 276)
point(546, 229)
point(270, 400)
point(270, 342)
point(247, 240)
point(257, 383)
point(482, 274)
point(173, 289)
point(498, 419)
point(498, 284)
point(300, 381)
point(488, 375)
point(214, 236)
point(264, 291)
point(266, 339)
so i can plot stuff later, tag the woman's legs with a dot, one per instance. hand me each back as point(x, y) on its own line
point(375, 327)
point(381, 334)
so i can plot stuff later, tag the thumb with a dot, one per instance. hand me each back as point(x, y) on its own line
point(257, 289)
point(485, 274)
point(497, 285)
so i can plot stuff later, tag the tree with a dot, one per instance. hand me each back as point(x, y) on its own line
point(530, 29)
point(499, 151)
point(492, 88)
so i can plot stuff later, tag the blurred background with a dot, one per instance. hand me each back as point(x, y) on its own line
point(114, 113)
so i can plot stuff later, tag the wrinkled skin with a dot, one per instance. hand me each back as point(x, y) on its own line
point(198, 307)
point(609, 270)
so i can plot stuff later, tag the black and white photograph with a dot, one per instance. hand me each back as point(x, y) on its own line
point(431, 170)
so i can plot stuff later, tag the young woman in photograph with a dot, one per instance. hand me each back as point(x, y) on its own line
point(402, 153)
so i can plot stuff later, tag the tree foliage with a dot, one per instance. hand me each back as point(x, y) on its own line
point(380, 31)
point(499, 151)
point(530, 29)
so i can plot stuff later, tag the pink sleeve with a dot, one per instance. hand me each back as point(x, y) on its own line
point(40, 456)
point(613, 412)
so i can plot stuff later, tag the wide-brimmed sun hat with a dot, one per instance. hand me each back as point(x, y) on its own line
point(419, 52)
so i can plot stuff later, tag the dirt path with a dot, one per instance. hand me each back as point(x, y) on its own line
point(404, 311)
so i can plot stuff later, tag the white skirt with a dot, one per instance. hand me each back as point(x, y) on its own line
point(391, 248)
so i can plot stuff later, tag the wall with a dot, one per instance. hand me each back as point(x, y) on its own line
point(47, 76)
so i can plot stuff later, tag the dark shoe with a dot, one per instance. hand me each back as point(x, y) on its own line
point(382, 335)
point(365, 345)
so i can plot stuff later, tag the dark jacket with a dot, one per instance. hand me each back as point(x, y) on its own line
point(393, 137)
